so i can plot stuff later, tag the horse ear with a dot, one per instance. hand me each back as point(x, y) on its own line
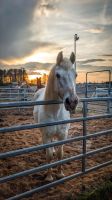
point(59, 58)
point(72, 57)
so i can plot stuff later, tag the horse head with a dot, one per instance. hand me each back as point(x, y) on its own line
point(65, 83)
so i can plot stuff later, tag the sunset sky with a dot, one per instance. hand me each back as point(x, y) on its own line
point(36, 30)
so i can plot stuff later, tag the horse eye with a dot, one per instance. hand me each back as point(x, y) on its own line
point(58, 75)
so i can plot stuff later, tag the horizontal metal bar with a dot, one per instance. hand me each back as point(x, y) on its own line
point(7, 98)
point(57, 182)
point(106, 70)
point(16, 89)
point(37, 147)
point(32, 103)
point(26, 107)
point(12, 93)
point(43, 146)
point(96, 110)
point(41, 125)
point(32, 93)
point(31, 126)
point(96, 99)
point(98, 166)
point(97, 104)
point(28, 103)
point(102, 149)
point(54, 164)
point(40, 168)
point(44, 187)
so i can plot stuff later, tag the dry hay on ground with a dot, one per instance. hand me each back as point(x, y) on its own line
point(28, 138)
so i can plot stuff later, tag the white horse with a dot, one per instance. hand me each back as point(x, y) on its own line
point(60, 86)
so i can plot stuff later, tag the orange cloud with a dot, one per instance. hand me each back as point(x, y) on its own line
point(94, 30)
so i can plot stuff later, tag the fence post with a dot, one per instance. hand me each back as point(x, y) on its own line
point(10, 93)
point(86, 84)
point(84, 134)
point(109, 93)
point(19, 96)
point(86, 92)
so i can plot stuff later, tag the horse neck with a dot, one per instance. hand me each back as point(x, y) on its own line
point(51, 94)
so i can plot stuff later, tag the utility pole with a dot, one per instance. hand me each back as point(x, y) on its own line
point(76, 37)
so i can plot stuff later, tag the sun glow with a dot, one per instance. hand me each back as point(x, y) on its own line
point(38, 74)
point(38, 57)
point(32, 77)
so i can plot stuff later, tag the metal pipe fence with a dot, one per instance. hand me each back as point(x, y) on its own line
point(26, 94)
point(99, 91)
point(16, 94)
point(83, 156)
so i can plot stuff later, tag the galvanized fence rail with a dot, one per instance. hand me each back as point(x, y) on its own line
point(83, 156)
point(16, 94)
point(26, 94)
point(104, 90)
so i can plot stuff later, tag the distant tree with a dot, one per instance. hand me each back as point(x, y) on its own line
point(44, 78)
point(1, 76)
point(9, 74)
point(4, 75)
point(25, 75)
point(19, 75)
point(15, 74)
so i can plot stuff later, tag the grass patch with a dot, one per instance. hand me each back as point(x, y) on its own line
point(104, 192)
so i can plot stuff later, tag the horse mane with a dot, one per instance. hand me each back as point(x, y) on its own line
point(50, 84)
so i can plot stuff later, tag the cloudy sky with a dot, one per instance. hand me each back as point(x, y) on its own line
point(36, 30)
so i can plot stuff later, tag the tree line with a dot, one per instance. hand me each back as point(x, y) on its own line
point(13, 75)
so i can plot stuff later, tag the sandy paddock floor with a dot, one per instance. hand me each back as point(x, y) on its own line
point(28, 138)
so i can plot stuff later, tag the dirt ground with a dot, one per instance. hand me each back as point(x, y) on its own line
point(28, 138)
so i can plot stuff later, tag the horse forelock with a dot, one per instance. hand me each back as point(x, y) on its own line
point(66, 64)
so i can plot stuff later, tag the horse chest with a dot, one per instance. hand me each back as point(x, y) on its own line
point(58, 131)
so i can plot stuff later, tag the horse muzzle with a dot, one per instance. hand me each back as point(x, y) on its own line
point(71, 104)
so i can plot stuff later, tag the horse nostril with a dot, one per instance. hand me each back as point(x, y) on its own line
point(67, 100)
point(76, 101)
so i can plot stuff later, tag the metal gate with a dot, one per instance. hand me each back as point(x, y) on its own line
point(84, 156)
